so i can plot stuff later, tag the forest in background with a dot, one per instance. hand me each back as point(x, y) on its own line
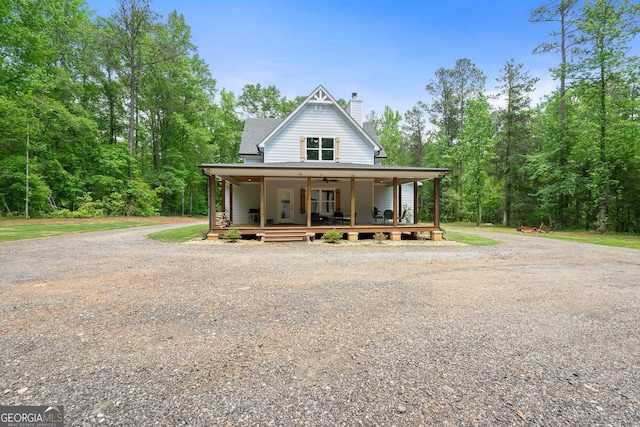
point(110, 116)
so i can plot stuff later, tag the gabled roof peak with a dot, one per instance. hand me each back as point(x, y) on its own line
point(320, 95)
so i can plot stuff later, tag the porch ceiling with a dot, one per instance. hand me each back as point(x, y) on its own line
point(243, 172)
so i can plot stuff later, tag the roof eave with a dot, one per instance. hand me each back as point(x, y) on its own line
point(318, 171)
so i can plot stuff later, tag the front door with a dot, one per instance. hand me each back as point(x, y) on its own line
point(285, 205)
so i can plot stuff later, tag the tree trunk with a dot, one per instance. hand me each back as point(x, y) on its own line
point(132, 110)
point(603, 154)
point(564, 201)
point(479, 207)
point(505, 217)
point(461, 194)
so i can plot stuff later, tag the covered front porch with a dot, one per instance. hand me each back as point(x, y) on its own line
point(311, 198)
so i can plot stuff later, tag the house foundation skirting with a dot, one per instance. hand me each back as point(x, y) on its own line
point(394, 233)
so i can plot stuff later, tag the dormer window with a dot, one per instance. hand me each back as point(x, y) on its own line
point(321, 149)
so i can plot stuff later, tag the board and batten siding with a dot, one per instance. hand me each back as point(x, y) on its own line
point(318, 120)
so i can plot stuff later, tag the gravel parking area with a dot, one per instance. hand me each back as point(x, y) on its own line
point(125, 331)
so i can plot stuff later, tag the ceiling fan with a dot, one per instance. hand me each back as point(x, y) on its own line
point(325, 179)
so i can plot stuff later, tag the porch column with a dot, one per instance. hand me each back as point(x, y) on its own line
point(308, 202)
point(352, 207)
point(262, 200)
point(400, 207)
point(212, 202)
point(223, 193)
point(415, 202)
point(436, 202)
point(395, 201)
point(230, 203)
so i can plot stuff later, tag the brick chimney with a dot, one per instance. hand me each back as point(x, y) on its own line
point(354, 108)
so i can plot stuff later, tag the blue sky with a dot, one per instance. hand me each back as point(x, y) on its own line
point(385, 51)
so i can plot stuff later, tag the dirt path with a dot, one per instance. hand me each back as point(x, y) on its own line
point(122, 330)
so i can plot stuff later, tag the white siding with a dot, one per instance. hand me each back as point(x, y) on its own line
point(368, 195)
point(354, 108)
point(318, 120)
point(383, 199)
point(271, 202)
point(227, 198)
point(245, 197)
point(406, 202)
point(364, 201)
point(252, 159)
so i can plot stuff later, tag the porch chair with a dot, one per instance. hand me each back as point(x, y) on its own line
point(388, 215)
point(316, 219)
point(347, 219)
point(377, 215)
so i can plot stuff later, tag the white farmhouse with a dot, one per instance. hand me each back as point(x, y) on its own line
point(316, 170)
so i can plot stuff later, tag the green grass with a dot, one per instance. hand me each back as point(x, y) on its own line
point(466, 226)
point(615, 240)
point(181, 234)
point(469, 239)
point(32, 230)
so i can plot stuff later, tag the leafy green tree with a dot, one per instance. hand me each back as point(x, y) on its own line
point(450, 91)
point(388, 129)
point(556, 181)
point(416, 134)
point(177, 97)
point(130, 25)
point(443, 107)
point(564, 13)
point(514, 137)
point(600, 61)
point(44, 89)
point(476, 142)
point(417, 138)
point(110, 118)
point(265, 102)
point(228, 129)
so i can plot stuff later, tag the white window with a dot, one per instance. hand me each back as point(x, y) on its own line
point(321, 149)
point(323, 201)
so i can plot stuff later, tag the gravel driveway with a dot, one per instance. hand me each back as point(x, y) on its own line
point(122, 330)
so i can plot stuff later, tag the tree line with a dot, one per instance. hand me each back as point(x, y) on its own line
point(572, 161)
point(111, 115)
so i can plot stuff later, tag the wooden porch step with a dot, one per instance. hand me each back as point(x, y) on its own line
point(284, 236)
